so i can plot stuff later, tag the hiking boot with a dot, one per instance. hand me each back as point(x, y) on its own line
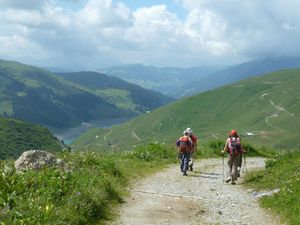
point(191, 168)
point(184, 174)
point(233, 182)
point(228, 179)
point(238, 172)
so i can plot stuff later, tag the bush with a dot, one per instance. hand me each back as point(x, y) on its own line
point(154, 151)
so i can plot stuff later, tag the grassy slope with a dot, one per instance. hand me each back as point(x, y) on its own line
point(244, 106)
point(117, 91)
point(17, 136)
point(38, 96)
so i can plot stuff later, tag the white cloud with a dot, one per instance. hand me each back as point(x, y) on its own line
point(254, 28)
point(20, 47)
point(212, 31)
point(153, 27)
point(104, 14)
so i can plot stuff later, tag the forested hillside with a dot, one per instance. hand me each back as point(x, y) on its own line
point(17, 136)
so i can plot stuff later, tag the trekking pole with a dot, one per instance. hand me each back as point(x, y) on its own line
point(223, 167)
point(245, 165)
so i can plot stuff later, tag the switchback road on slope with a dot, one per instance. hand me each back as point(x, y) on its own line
point(169, 198)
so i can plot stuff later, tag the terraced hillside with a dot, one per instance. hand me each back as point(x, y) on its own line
point(265, 110)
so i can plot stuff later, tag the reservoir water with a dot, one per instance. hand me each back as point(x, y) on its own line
point(68, 136)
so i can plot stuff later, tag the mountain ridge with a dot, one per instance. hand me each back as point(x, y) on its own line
point(39, 96)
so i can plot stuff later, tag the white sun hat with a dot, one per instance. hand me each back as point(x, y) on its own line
point(189, 130)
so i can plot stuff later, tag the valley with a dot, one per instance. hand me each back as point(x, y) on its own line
point(263, 109)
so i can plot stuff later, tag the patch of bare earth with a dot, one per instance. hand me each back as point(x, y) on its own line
point(167, 197)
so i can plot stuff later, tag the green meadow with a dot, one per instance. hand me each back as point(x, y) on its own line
point(264, 110)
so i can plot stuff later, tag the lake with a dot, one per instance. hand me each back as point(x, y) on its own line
point(68, 136)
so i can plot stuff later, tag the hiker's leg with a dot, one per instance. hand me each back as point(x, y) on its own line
point(229, 165)
point(234, 172)
point(186, 162)
point(191, 162)
point(181, 161)
point(229, 168)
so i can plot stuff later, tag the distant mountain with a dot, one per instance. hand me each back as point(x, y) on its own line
point(164, 80)
point(237, 73)
point(117, 91)
point(38, 96)
point(18, 136)
point(263, 109)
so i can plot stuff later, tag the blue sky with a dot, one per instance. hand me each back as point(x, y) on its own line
point(89, 34)
point(173, 6)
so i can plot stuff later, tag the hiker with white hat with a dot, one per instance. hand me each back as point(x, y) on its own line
point(193, 148)
point(184, 146)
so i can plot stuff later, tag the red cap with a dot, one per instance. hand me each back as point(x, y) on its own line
point(233, 133)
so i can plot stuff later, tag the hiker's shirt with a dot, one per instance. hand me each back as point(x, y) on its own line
point(194, 140)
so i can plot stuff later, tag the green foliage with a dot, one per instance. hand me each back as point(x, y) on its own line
point(86, 193)
point(283, 173)
point(17, 136)
point(247, 106)
point(152, 152)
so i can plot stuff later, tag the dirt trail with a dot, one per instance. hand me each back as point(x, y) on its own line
point(200, 198)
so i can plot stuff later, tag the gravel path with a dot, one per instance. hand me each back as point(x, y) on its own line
point(169, 198)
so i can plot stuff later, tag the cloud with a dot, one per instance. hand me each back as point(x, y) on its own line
point(17, 4)
point(254, 28)
point(103, 13)
point(104, 32)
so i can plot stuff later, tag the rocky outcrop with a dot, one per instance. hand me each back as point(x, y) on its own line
point(37, 159)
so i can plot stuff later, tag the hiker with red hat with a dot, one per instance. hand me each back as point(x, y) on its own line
point(234, 149)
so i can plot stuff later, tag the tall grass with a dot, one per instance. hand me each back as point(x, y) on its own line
point(85, 194)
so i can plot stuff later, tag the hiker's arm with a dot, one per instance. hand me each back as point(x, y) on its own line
point(242, 149)
point(177, 145)
point(195, 145)
point(225, 147)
